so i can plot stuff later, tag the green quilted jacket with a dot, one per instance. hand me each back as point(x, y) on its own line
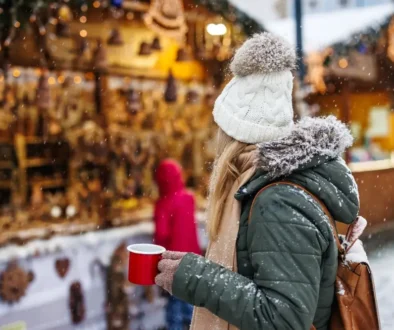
point(287, 257)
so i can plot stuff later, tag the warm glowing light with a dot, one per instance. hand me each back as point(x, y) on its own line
point(51, 80)
point(343, 63)
point(96, 4)
point(84, 8)
point(216, 29)
point(17, 24)
point(129, 15)
point(83, 19)
point(61, 79)
point(33, 18)
point(77, 79)
point(42, 30)
point(16, 73)
point(83, 33)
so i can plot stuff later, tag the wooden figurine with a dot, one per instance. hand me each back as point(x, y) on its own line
point(115, 38)
point(170, 94)
point(156, 44)
point(100, 62)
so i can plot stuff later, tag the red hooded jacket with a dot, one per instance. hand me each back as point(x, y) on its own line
point(174, 217)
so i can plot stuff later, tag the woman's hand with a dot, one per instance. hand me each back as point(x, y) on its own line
point(167, 268)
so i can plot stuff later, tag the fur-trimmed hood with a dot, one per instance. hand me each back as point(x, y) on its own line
point(309, 138)
point(310, 156)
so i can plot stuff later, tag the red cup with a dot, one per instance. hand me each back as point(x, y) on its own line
point(143, 262)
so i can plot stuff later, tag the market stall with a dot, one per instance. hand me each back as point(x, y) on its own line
point(93, 94)
point(353, 80)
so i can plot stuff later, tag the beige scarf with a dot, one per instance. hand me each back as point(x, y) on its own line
point(225, 255)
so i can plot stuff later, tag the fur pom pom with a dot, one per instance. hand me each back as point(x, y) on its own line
point(263, 53)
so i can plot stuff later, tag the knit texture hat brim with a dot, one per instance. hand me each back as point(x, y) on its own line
point(245, 131)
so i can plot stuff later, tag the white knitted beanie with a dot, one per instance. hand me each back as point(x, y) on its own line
point(256, 105)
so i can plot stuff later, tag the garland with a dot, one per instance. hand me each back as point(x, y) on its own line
point(366, 42)
point(18, 12)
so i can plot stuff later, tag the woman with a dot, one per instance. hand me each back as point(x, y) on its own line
point(175, 230)
point(270, 265)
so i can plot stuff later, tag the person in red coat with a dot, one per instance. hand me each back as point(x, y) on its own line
point(176, 229)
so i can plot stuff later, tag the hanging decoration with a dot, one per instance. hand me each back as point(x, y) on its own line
point(64, 16)
point(62, 266)
point(43, 95)
point(13, 283)
point(77, 303)
point(133, 102)
point(167, 17)
point(115, 38)
point(156, 44)
point(170, 94)
point(100, 62)
point(145, 49)
point(182, 55)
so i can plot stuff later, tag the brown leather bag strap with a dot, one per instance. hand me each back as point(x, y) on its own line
point(317, 200)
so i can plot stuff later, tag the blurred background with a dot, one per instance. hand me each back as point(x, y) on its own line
point(94, 93)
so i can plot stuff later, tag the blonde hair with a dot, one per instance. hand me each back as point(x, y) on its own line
point(225, 172)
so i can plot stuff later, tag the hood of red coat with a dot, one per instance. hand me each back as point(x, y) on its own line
point(169, 178)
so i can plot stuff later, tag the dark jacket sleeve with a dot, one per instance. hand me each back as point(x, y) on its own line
point(285, 248)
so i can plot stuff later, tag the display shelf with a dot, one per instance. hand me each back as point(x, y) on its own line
point(38, 162)
point(6, 164)
point(38, 140)
point(49, 183)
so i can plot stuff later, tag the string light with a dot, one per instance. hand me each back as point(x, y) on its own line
point(17, 24)
point(51, 80)
point(96, 4)
point(343, 63)
point(129, 15)
point(84, 7)
point(61, 79)
point(77, 79)
point(83, 19)
point(16, 73)
point(83, 33)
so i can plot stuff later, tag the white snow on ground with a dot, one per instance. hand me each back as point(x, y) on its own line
point(323, 29)
point(382, 264)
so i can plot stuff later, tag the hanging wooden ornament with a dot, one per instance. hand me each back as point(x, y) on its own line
point(167, 17)
point(13, 283)
point(63, 30)
point(156, 45)
point(100, 57)
point(62, 266)
point(77, 303)
point(115, 38)
point(145, 49)
point(65, 14)
point(82, 46)
point(133, 101)
point(182, 55)
point(170, 94)
point(43, 94)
